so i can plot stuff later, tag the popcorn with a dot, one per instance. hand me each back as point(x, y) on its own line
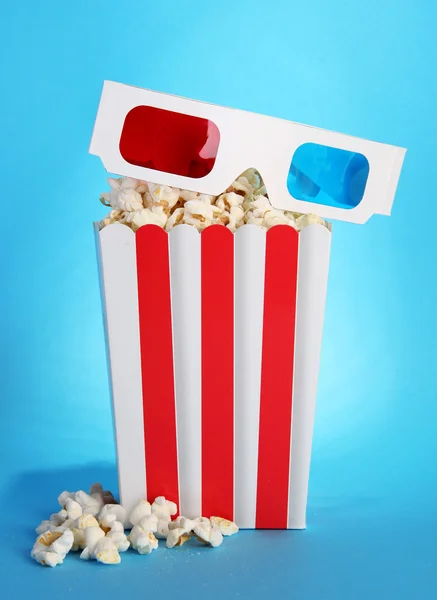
point(277, 217)
point(118, 537)
point(89, 504)
point(208, 531)
point(164, 196)
point(309, 219)
point(111, 513)
point(130, 200)
point(87, 520)
point(225, 527)
point(162, 528)
point(123, 194)
point(175, 219)
point(233, 219)
point(148, 216)
point(177, 537)
point(143, 542)
point(140, 510)
point(142, 536)
point(164, 510)
point(179, 531)
point(260, 206)
point(253, 179)
point(44, 526)
point(106, 552)
point(73, 509)
point(242, 186)
point(52, 546)
point(78, 530)
point(102, 537)
point(252, 220)
point(183, 522)
point(209, 534)
point(187, 195)
point(226, 201)
point(92, 536)
point(56, 520)
point(136, 203)
point(100, 548)
point(202, 521)
point(62, 498)
point(198, 213)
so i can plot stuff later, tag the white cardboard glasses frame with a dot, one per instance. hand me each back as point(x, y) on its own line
point(246, 140)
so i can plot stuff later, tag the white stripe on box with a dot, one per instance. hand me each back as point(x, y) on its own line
point(120, 292)
point(314, 249)
point(250, 250)
point(185, 284)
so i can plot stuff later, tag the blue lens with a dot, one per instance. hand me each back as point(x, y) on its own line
point(328, 176)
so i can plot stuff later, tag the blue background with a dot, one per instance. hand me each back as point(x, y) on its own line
point(366, 69)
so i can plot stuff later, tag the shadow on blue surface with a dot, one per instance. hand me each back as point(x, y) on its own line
point(395, 558)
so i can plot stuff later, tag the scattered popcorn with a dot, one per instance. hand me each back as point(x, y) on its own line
point(100, 548)
point(89, 504)
point(111, 513)
point(56, 520)
point(101, 536)
point(118, 537)
point(92, 536)
point(209, 534)
point(201, 520)
point(106, 552)
point(183, 522)
point(44, 526)
point(62, 498)
point(79, 531)
point(142, 536)
point(179, 531)
point(164, 510)
point(162, 529)
point(177, 537)
point(226, 527)
point(73, 509)
point(136, 203)
point(140, 510)
point(52, 546)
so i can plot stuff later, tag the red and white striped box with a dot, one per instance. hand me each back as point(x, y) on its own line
point(214, 343)
point(214, 338)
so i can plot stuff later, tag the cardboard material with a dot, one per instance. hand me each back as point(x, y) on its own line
point(246, 140)
point(246, 476)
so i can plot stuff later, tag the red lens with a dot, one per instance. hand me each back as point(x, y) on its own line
point(168, 141)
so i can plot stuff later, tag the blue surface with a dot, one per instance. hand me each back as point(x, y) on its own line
point(365, 69)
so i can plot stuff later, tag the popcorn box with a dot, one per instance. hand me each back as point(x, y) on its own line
point(214, 338)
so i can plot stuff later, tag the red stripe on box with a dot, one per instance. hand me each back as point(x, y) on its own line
point(217, 271)
point(157, 363)
point(277, 377)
